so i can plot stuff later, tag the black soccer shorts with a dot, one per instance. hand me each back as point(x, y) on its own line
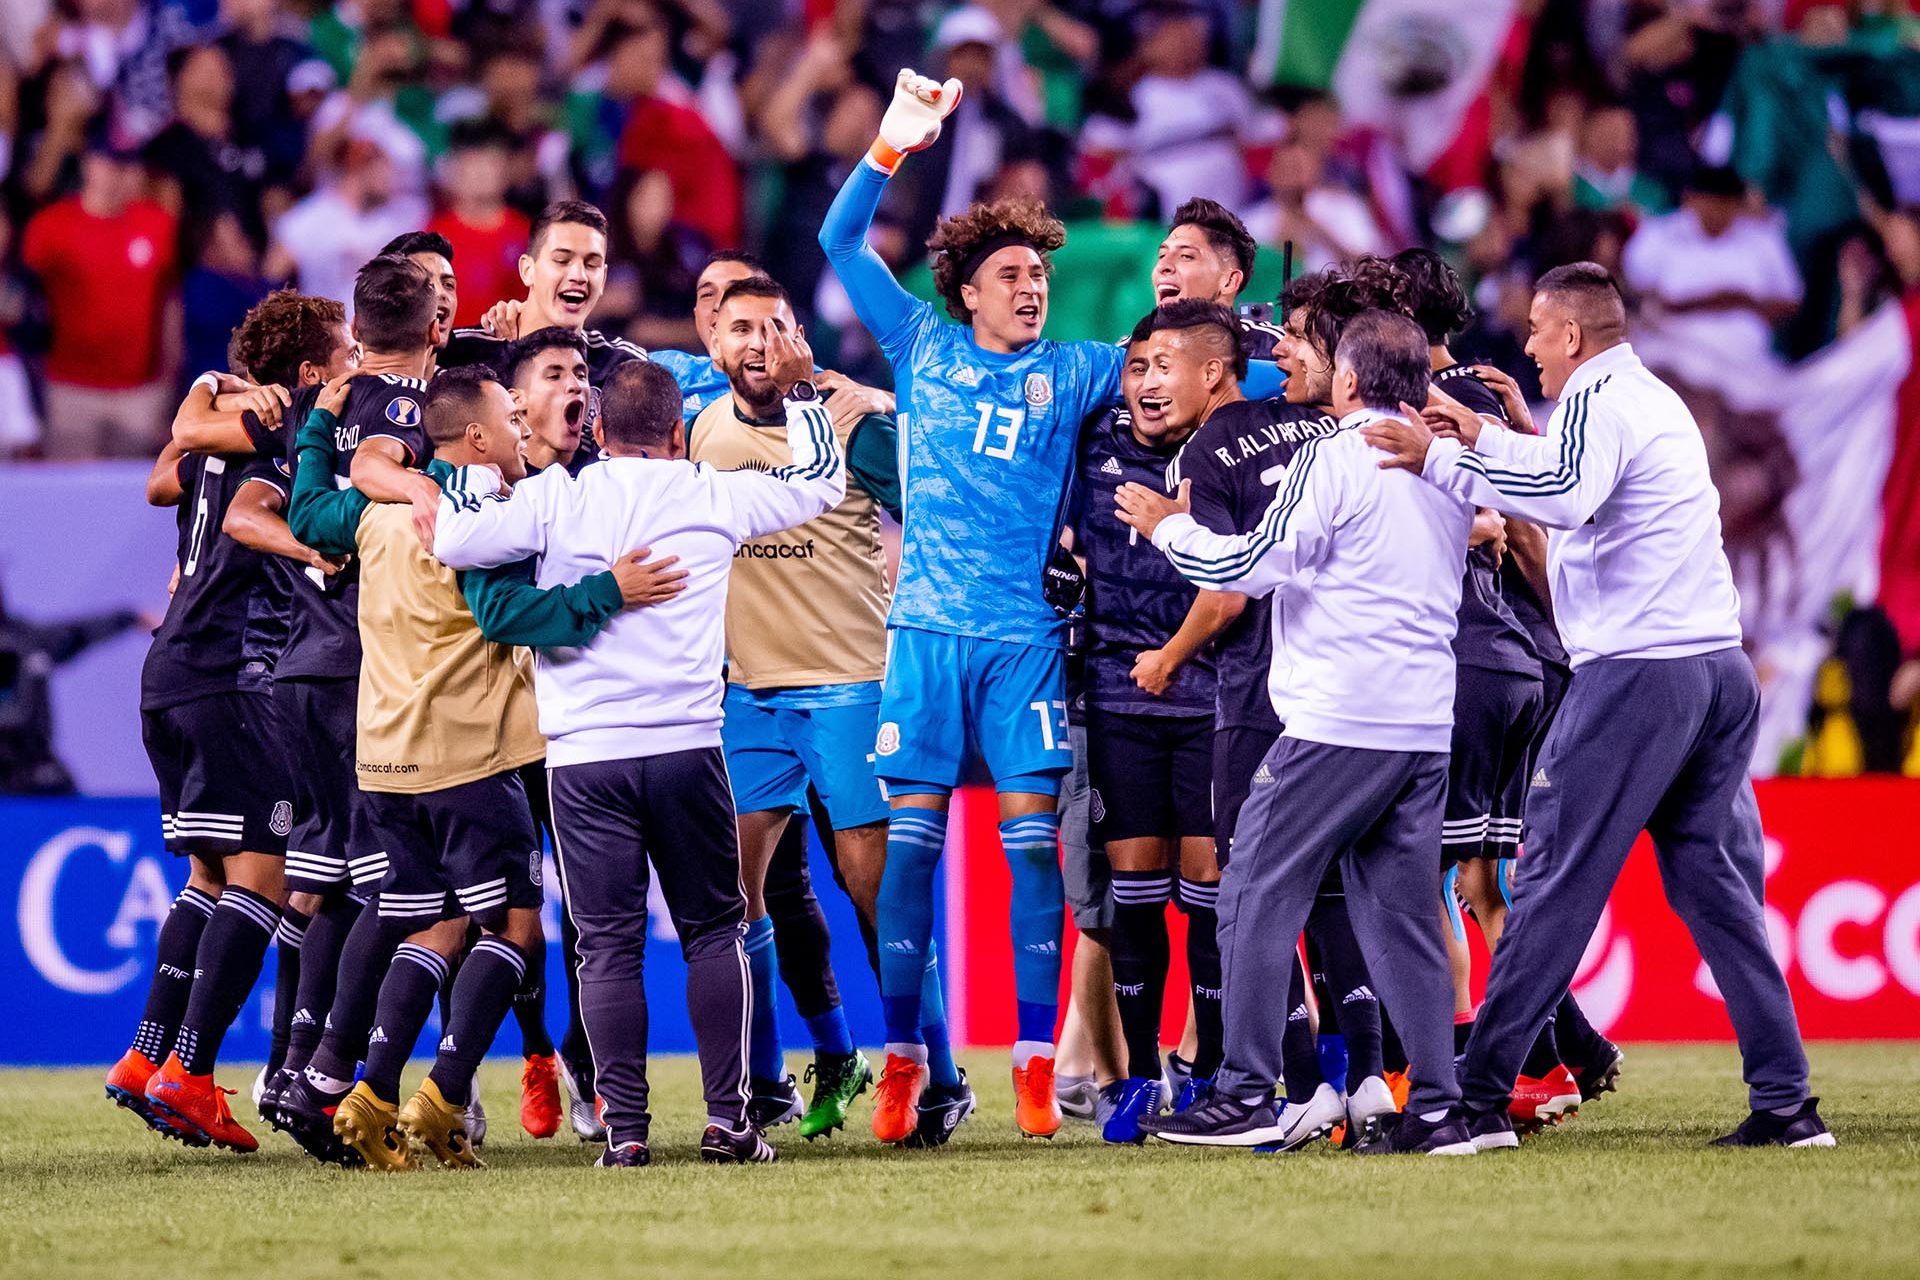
point(330, 844)
point(1495, 718)
point(225, 784)
point(469, 850)
point(1152, 775)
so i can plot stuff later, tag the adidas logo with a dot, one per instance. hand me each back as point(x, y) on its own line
point(302, 1017)
point(1299, 1013)
point(1263, 774)
point(1048, 948)
point(447, 1045)
point(1360, 994)
point(1111, 467)
point(1540, 780)
point(379, 1036)
point(903, 948)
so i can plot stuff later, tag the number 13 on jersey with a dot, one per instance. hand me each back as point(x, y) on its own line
point(998, 435)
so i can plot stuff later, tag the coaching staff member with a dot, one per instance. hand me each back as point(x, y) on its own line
point(1658, 724)
point(633, 719)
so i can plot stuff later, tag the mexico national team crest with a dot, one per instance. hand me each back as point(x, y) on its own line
point(534, 868)
point(1039, 389)
point(282, 818)
point(403, 411)
point(889, 739)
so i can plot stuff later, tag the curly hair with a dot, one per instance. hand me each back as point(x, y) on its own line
point(1368, 283)
point(284, 330)
point(955, 239)
point(1440, 305)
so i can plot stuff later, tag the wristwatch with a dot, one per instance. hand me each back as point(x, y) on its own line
point(803, 390)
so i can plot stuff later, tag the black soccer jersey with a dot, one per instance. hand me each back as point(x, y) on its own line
point(1496, 632)
point(1136, 600)
point(1237, 461)
point(227, 622)
point(1258, 334)
point(324, 640)
point(604, 354)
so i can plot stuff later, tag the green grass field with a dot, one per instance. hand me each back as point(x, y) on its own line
point(1627, 1189)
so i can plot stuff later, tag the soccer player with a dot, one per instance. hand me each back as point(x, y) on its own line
point(634, 719)
point(446, 723)
point(1657, 727)
point(565, 271)
point(434, 254)
point(1363, 682)
point(1150, 693)
point(1209, 254)
point(219, 750)
point(702, 381)
point(1236, 464)
point(806, 647)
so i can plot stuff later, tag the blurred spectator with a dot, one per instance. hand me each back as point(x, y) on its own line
point(1605, 175)
point(1184, 125)
point(259, 37)
point(122, 46)
point(371, 108)
point(29, 652)
point(221, 285)
point(656, 262)
point(19, 419)
point(106, 260)
point(1717, 274)
point(1325, 222)
point(200, 171)
point(672, 137)
point(487, 236)
point(324, 240)
point(537, 152)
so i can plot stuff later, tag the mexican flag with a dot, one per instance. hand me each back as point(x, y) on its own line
point(1416, 70)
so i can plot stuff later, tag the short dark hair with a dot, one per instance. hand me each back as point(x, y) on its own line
point(1721, 180)
point(1388, 352)
point(1368, 283)
point(578, 212)
point(1220, 327)
point(1301, 291)
point(759, 286)
point(408, 243)
point(639, 405)
point(521, 352)
point(453, 400)
point(1223, 228)
point(1592, 295)
point(1439, 299)
point(474, 135)
point(284, 330)
point(750, 261)
point(393, 304)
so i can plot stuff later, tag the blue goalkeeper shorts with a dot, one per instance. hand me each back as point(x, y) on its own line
point(778, 742)
point(948, 696)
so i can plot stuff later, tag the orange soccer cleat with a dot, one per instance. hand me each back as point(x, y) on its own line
point(896, 1101)
point(540, 1095)
point(196, 1106)
point(1036, 1109)
point(1539, 1102)
point(1399, 1083)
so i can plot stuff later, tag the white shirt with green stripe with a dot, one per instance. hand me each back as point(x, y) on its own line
point(1635, 561)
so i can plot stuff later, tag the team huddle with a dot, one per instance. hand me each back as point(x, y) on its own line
point(1259, 620)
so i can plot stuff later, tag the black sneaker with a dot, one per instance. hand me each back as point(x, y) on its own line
point(306, 1116)
point(721, 1145)
point(1220, 1121)
point(1490, 1130)
point(1602, 1073)
point(628, 1155)
point(1804, 1128)
point(941, 1111)
point(270, 1096)
point(775, 1102)
point(1404, 1133)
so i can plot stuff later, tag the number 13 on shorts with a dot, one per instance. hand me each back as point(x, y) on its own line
point(1053, 723)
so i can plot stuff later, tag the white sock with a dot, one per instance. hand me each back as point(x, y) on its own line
point(912, 1052)
point(327, 1084)
point(1025, 1051)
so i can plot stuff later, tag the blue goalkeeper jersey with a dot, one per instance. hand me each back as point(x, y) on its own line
point(701, 382)
point(987, 446)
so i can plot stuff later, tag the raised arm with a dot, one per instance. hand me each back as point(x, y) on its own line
point(912, 123)
point(1558, 480)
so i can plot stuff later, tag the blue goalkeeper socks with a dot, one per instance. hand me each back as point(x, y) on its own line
point(1037, 920)
point(764, 1059)
point(942, 1071)
point(904, 911)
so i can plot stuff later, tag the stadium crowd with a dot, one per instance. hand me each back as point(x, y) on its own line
point(607, 560)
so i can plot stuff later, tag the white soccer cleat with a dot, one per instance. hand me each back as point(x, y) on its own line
point(1366, 1106)
point(1310, 1120)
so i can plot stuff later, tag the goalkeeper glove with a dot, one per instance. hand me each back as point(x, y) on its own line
point(912, 121)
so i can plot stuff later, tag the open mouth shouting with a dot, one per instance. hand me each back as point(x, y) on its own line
point(573, 299)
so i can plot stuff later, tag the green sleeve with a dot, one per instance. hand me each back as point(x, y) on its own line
point(511, 610)
point(873, 459)
point(321, 515)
